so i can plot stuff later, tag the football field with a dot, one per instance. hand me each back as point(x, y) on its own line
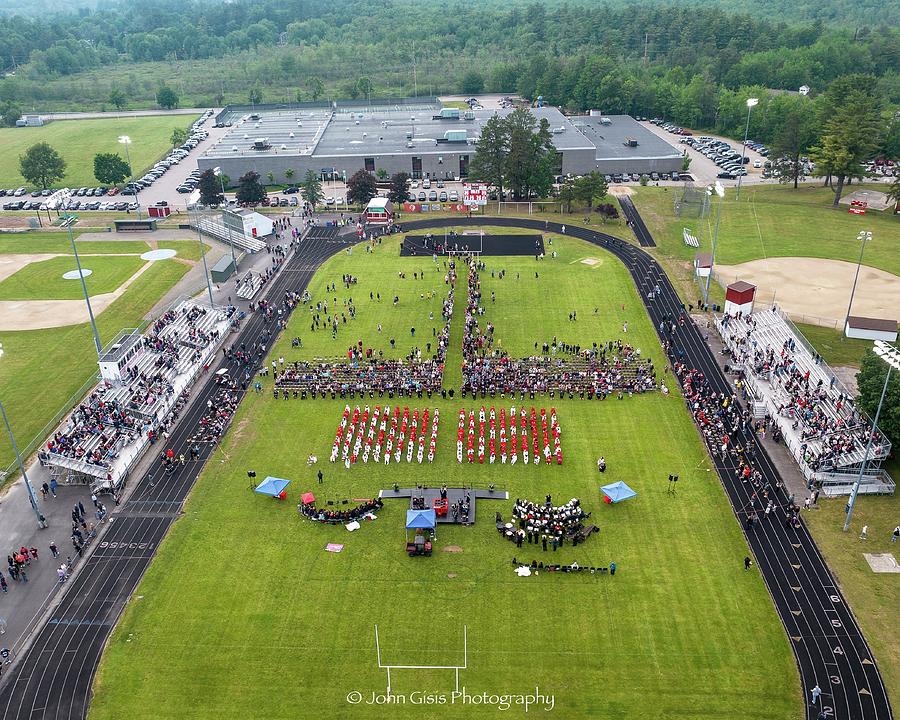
point(245, 614)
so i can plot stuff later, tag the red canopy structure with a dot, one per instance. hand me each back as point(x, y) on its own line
point(307, 498)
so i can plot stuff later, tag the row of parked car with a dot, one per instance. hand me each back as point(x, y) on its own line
point(196, 135)
point(729, 160)
point(71, 203)
point(669, 127)
point(434, 196)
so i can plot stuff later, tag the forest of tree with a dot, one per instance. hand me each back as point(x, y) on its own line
point(683, 61)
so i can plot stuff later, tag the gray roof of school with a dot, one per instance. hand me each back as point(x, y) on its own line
point(334, 132)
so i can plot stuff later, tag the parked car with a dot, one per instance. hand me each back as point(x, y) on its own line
point(432, 196)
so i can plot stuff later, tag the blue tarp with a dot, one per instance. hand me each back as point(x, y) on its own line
point(416, 519)
point(618, 491)
point(272, 486)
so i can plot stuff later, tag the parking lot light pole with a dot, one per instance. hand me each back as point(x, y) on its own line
point(217, 171)
point(891, 356)
point(865, 236)
point(126, 141)
point(42, 521)
point(720, 191)
point(87, 299)
point(751, 102)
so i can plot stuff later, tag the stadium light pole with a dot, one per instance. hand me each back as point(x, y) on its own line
point(751, 103)
point(126, 141)
point(891, 356)
point(720, 191)
point(42, 521)
point(865, 236)
point(212, 304)
point(68, 222)
point(217, 171)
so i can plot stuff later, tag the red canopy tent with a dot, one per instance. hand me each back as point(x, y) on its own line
point(307, 498)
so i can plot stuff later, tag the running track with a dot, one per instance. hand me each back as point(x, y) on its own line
point(53, 679)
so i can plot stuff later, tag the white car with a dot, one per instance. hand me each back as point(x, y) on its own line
point(757, 163)
point(339, 201)
point(454, 196)
point(329, 200)
point(414, 184)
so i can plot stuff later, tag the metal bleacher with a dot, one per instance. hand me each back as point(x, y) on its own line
point(249, 285)
point(213, 226)
point(118, 413)
point(771, 329)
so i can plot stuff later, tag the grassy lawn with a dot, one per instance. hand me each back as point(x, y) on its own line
point(44, 280)
point(767, 222)
point(187, 249)
point(245, 602)
point(874, 597)
point(69, 351)
point(79, 140)
point(58, 242)
point(834, 347)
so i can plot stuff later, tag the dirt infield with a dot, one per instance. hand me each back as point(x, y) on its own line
point(818, 289)
point(42, 314)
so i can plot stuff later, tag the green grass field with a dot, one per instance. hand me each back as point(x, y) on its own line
point(244, 614)
point(773, 222)
point(79, 140)
point(69, 351)
point(44, 280)
point(874, 597)
point(58, 242)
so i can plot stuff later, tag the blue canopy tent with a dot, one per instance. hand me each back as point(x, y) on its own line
point(420, 519)
point(272, 486)
point(617, 492)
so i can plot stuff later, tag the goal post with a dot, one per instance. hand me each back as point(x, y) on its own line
point(455, 668)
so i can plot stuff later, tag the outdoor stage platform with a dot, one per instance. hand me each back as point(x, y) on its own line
point(453, 495)
point(482, 244)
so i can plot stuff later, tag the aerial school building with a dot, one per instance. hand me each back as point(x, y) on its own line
point(417, 137)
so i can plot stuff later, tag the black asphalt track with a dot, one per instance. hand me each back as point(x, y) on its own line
point(53, 678)
point(636, 221)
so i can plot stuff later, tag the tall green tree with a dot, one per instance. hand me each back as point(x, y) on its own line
point(590, 188)
point(361, 187)
point(210, 187)
point(110, 168)
point(166, 97)
point(529, 161)
point(489, 162)
point(311, 189)
point(472, 83)
point(365, 86)
point(870, 380)
point(399, 191)
point(9, 113)
point(255, 95)
point(250, 190)
point(179, 137)
point(567, 194)
point(117, 98)
point(41, 165)
point(848, 140)
point(315, 86)
point(794, 134)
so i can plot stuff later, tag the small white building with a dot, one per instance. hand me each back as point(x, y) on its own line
point(739, 298)
point(249, 223)
point(120, 355)
point(871, 329)
point(702, 264)
point(804, 90)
